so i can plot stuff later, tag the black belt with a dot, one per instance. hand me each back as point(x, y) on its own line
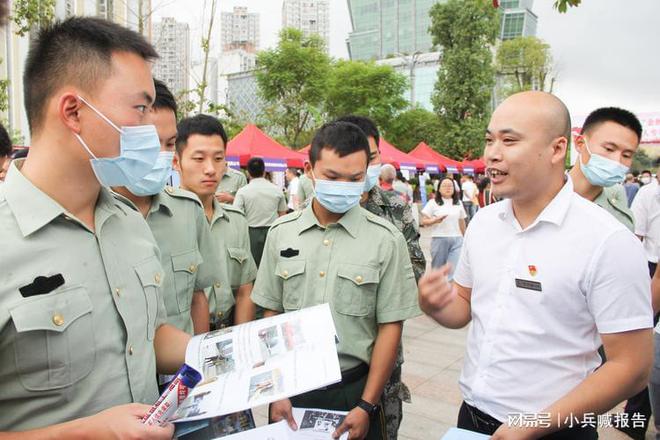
point(480, 419)
point(350, 376)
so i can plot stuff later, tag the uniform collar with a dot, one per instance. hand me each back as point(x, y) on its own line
point(554, 212)
point(350, 221)
point(34, 209)
point(160, 202)
point(218, 212)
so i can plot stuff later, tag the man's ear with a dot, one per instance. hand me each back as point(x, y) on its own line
point(307, 167)
point(68, 110)
point(559, 150)
point(176, 162)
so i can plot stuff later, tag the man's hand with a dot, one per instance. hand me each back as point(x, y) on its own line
point(435, 290)
point(282, 410)
point(224, 197)
point(505, 432)
point(125, 423)
point(356, 423)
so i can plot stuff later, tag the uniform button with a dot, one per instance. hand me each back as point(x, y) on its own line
point(358, 279)
point(118, 291)
point(321, 274)
point(217, 285)
point(192, 268)
point(58, 319)
point(326, 242)
point(157, 278)
point(130, 350)
point(285, 273)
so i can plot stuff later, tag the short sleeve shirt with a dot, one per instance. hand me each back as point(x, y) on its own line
point(305, 191)
point(231, 182)
point(646, 208)
point(78, 308)
point(229, 232)
point(449, 227)
point(360, 266)
point(573, 274)
point(261, 201)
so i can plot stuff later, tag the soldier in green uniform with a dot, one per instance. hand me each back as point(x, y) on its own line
point(305, 191)
point(609, 139)
point(200, 159)
point(176, 219)
point(82, 319)
point(390, 206)
point(336, 252)
point(232, 180)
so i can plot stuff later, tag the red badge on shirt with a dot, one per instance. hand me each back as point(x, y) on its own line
point(532, 270)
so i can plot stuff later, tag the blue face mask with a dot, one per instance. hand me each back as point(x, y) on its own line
point(601, 171)
point(373, 172)
point(338, 197)
point(139, 148)
point(155, 181)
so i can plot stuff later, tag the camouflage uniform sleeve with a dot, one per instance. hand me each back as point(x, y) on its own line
point(411, 234)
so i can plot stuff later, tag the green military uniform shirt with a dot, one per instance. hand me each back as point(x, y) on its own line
point(614, 200)
point(231, 182)
point(188, 257)
point(391, 207)
point(260, 200)
point(229, 231)
point(360, 266)
point(305, 191)
point(71, 350)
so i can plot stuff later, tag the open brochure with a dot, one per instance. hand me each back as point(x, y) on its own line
point(262, 361)
point(313, 424)
point(462, 434)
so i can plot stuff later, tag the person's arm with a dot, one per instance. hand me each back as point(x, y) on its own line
point(199, 312)
point(380, 370)
point(640, 215)
point(281, 205)
point(224, 197)
point(625, 373)
point(461, 225)
point(119, 422)
point(411, 234)
point(170, 345)
point(239, 201)
point(655, 291)
point(244, 309)
point(448, 304)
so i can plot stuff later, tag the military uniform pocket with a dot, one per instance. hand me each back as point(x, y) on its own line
point(150, 274)
point(185, 266)
point(292, 273)
point(54, 345)
point(356, 289)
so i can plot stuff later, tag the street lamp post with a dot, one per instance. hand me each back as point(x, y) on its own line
point(411, 62)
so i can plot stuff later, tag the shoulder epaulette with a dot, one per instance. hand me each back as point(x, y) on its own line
point(182, 194)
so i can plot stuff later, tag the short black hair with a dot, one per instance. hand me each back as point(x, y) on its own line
point(164, 97)
point(205, 125)
point(646, 172)
point(366, 125)
point(78, 52)
point(613, 114)
point(256, 167)
point(342, 137)
point(456, 196)
point(5, 142)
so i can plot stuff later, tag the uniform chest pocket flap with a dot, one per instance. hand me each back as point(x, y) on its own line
point(150, 274)
point(185, 267)
point(54, 345)
point(292, 274)
point(355, 293)
point(237, 254)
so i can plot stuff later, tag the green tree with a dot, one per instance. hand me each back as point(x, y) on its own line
point(466, 31)
point(292, 80)
point(367, 89)
point(413, 126)
point(524, 63)
point(31, 14)
point(642, 161)
point(562, 5)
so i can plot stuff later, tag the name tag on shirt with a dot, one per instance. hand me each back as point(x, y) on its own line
point(529, 285)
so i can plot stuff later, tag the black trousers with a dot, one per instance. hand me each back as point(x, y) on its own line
point(472, 419)
point(257, 242)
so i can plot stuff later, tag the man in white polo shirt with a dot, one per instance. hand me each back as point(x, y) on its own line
point(544, 276)
point(646, 209)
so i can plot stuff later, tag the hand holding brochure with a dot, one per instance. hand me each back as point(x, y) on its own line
point(260, 362)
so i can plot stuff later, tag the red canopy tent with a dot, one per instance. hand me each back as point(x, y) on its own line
point(423, 151)
point(252, 142)
point(392, 155)
point(474, 166)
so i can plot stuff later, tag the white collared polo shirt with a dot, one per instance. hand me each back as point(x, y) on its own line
point(542, 296)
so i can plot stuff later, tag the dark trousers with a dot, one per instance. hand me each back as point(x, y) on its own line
point(343, 397)
point(472, 419)
point(257, 242)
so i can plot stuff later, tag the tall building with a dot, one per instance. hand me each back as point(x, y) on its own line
point(518, 20)
point(172, 42)
point(234, 61)
point(421, 69)
point(243, 98)
point(310, 16)
point(239, 30)
point(386, 28)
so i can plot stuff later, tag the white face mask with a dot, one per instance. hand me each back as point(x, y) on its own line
point(645, 180)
